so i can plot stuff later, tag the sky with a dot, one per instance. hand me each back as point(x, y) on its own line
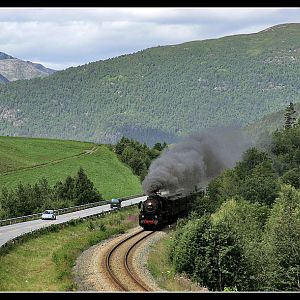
point(61, 37)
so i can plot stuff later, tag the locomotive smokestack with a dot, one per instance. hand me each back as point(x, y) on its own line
point(195, 160)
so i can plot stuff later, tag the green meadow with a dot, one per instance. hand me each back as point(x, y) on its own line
point(21, 152)
point(27, 160)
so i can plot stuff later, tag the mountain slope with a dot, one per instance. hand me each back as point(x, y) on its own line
point(269, 123)
point(5, 56)
point(15, 69)
point(160, 93)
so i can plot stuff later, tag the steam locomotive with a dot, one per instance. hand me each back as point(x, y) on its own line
point(162, 208)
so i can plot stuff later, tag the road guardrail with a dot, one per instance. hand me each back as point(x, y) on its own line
point(61, 211)
point(21, 237)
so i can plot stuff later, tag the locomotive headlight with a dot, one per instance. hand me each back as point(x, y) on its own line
point(143, 216)
point(155, 216)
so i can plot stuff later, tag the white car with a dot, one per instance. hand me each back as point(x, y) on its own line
point(49, 214)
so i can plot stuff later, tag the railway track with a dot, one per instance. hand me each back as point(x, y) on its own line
point(119, 264)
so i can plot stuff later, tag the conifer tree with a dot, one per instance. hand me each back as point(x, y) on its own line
point(84, 190)
point(289, 115)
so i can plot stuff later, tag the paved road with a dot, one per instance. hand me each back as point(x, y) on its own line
point(11, 231)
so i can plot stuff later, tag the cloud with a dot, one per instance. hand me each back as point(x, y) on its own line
point(75, 36)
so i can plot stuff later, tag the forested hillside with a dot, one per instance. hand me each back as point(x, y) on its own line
point(160, 93)
point(244, 233)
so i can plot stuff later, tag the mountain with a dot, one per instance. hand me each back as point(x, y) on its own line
point(3, 79)
point(13, 69)
point(160, 93)
point(5, 56)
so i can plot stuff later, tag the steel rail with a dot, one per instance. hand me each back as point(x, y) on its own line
point(131, 274)
point(112, 276)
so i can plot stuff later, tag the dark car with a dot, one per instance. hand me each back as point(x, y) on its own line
point(115, 203)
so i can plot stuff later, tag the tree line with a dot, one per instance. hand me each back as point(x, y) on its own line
point(136, 155)
point(29, 199)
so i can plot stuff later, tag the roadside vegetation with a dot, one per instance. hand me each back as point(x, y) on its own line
point(45, 262)
point(244, 233)
point(30, 199)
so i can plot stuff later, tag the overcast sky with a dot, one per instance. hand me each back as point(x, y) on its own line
point(60, 37)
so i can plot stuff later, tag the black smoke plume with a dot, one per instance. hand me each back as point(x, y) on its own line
point(195, 160)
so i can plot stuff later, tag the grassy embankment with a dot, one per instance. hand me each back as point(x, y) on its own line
point(45, 262)
point(27, 160)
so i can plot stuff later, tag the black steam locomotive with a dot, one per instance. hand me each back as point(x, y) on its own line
point(162, 208)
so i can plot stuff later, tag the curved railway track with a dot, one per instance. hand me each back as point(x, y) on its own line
point(119, 266)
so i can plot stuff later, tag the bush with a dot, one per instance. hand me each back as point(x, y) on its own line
point(91, 225)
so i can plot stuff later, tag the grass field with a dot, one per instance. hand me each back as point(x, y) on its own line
point(27, 160)
point(20, 152)
point(45, 262)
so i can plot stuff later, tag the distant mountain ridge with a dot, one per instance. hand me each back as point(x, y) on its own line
point(160, 93)
point(3, 79)
point(13, 69)
point(5, 56)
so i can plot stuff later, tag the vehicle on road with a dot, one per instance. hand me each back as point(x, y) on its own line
point(115, 203)
point(49, 214)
